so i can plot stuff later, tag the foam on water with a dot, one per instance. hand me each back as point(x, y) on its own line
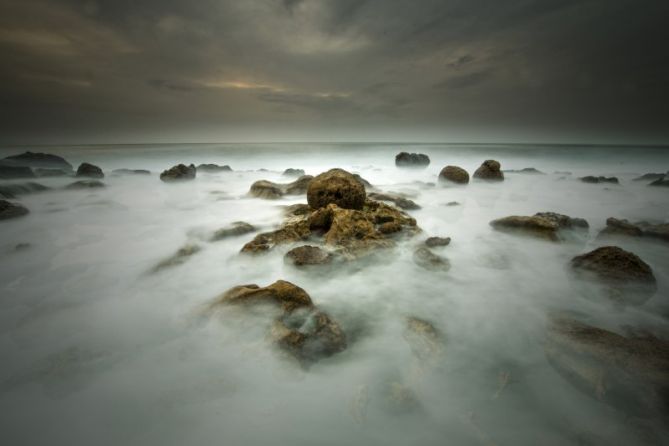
point(98, 350)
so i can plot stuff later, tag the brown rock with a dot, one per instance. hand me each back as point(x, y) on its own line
point(425, 341)
point(179, 172)
point(336, 186)
point(535, 226)
point(266, 189)
point(398, 200)
point(489, 170)
point(235, 229)
point(454, 174)
point(282, 293)
point(432, 242)
point(428, 260)
point(308, 255)
point(89, 171)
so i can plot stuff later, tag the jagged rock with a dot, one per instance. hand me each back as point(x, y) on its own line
point(179, 172)
point(271, 191)
point(526, 170)
point(211, 168)
point(425, 341)
point(11, 210)
point(661, 182)
point(426, 259)
point(489, 170)
point(628, 373)
point(629, 278)
point(289, 233)
point(14, 172)
point(12, 190)
point(563, 221)
point(367, 184)
point(131, 172)
point(398, 200)
point(336, 186)
point(600, 179)
point(89, 171)
point(454, 174)
point(85, 184)
point(288, 296)
point(308, 255)
point(37, 160)
point(295, 210)
point(405, 159)
point(178, 258)
point(536, 226)
point(293, 172)
point(650, 177)
point(432, 242)
point(40, 172)
point(235, 229)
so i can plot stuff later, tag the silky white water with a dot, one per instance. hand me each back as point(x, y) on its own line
point(98, 349)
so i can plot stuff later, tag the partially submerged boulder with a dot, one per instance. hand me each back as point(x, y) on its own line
point(288, 296)
point(564, 221)
point(13, 189)
point(213, 168)
point(454, 174)
point(526, 170)
point(235, 229)
point(86, 184)
point(600, 179)
point(630, 280)
point(489, 171)
point(628, 373)
point(178, 258)
point(180, 172)
point(615, 227)
point(426, 342)
point(336, 186)
point(427, 259)
point(131, 172)
point(396, 199)
point(650, 177)
point(15, 172)
point(542, 224)
point(11, 210)
point(89, 171)
point(308, 255)
point(290, 172)
point(271, 191)
point(41, 172)
point(405, 159)
point(433, 242)
point(660, 182)
point(38, 160)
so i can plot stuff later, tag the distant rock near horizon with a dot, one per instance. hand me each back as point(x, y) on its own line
point(37, 160)
point(405, 159)
point(179, 172)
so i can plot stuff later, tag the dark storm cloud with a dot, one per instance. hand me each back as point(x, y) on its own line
point(574, 69)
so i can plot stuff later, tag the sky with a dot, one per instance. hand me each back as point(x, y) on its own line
point(153, 71)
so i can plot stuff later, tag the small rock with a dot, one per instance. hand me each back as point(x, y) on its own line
point(425, 341)
point(526, 170)
point(40, 172)
point(620, 227)
point(661, 182)
point(426, 259)
point(454, 174)
point(490, 171)
point(131, 172)
point(452, 203)
point(600, 179)
point(398, 200)
point(293, 172)
point(432, 242)
point(11, 210)
point(650, 177)
point(179, 172)
point(563, 221)
point(308, 255)
point(212, 168)
point(235, 229)
point(336, 186)
point(89, 171)
point(178, 258)
point(85, 184)
point(536, 226)
point(404, 159)
point(266, 189)
point(22, 246)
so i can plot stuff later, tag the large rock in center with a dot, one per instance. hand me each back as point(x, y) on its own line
point(336, 186)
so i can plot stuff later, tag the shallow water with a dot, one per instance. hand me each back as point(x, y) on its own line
point(97, 349)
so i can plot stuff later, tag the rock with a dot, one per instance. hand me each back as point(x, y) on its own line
point(12, 190)
point(396, 199)
point(13, 172)
point(235, 229)
point(600, 179)
point(432, 242)
point(650, 177)
point(454, 174)
point(452, 203)
point(289, 233)
point(296, 210)
point(399, 398)
point(38, 160)
point(404, 159)
point(308, 255)
point(315, 336)
point(22, 246)
point(85, 184)
point(563, 221)
point(428, 260)
point(89, 171)
point(367, 184)
point(536, 226)
point(526, 170)
point(286, 295)
point(212, 168)
point(661, 182)
point(336, 186)
point(425, 341)
point(178, 258)
point(179, 172)
point(660, 231)
point(11, 210)
point(131, 172)
point(615, 226)
point(489, 170)
point(562, 172)
point(299, 186)
point(293, 172)
point(628, 373)
point(51, 173)
point(630, 279)
point(272, 191)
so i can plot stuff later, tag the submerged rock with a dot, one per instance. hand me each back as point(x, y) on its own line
point(308, 255)
point(86, 184)
point(367, 184)
point(426, 342)
point(526, 170)
point(397, 200)
point(542, 224)
point(629, 278)
point(12, 190)
point(600, 179)
point(212, 168)
point(336, 186)
point(89, 171)
point(235, 229)
point(179, 172)
point(11, 210)
point(288, 296)
point(432, 242)
point(616, 227)
point(563, 221)
point(628, 373)
point(131, 172)
point(490, 171)
point(37, 160)
point(14, 172)
point(178, 258)
point(650, 177)
point(426, 259)
point(40, 172)
point(271, 191)
point(454, 174)
point(293, 172)
point(661, 182)
point(405, 159)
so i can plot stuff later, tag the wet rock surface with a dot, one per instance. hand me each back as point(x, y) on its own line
point(601, 179)
point(308, 255)
point(564, 221)
point(426, 342)
point(660, 182)
point(180, 172)
point(542, 224)
point(396, 199)
point(272, 191)
point(290, 172)
point(45, 173)
point(618, 227)
point(336, 186)
point(628, 373)
point(650, 177)
point(178, 258)
point(405, 159)
point(454, 174)
point(87, 170)
point(489, 171)
point(11, 210)
point(234, 230)
point(526, 170)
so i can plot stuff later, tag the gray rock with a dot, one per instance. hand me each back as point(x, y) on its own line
point(38, 160)
point(14, 172)
point(235, 229)
point(293, 172)
point(426, 259)
point(89, 171)
point(432, 242)
point(213, 168)
point(489, 171)
point(454, 174)
point(131, 172)
point(12, 190)
point(86, 184)
point(593, 180)
point(11, 210)
point(41, 172)
point(405, 159)
point(180, 172)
